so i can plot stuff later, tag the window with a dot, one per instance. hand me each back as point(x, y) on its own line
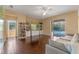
point(12, 24)
point(34, 27)
point(58, 28)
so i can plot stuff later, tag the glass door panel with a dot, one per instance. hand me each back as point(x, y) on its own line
point(1, 32)
point(11, 28)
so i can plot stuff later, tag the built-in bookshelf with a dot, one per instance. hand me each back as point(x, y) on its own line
point(23, 27)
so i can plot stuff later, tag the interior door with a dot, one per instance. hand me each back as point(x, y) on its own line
point(11, 28)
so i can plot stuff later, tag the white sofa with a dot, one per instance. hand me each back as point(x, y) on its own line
point(62, 46)
point(55, 48)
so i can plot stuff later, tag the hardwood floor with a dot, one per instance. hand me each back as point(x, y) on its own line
point(24, 46)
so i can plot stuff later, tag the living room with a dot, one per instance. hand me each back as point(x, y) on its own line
point(28, 29)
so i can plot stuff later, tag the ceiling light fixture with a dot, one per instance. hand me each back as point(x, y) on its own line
point(45, 9)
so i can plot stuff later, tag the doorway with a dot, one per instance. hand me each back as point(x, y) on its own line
point(11, 28)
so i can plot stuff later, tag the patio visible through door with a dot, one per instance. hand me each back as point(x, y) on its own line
point(11, 28)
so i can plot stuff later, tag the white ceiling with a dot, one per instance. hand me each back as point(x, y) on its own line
point(37, 11)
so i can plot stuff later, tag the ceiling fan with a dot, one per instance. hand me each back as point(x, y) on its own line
point(45, 9)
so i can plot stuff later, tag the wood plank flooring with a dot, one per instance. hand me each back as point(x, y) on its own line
point(24, 46)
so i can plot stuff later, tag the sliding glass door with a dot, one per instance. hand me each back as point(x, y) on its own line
point(1, 32)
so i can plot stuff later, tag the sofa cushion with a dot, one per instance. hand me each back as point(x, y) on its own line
point(58, 45)
point(52, 50)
